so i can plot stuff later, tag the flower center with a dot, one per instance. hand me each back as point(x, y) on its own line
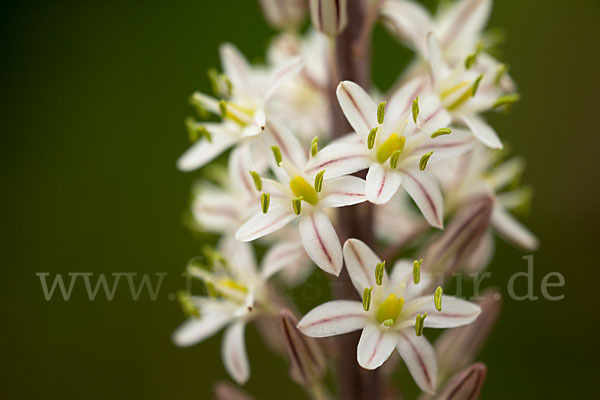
point(231, 284)
point(303, 189)
point(391, 144)
point(389, 309)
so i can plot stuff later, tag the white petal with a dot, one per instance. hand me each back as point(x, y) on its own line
point(204, 151)
point(432, 115)
point(240, 256)
point(215, 210)
point(455, 312)
point(333, 318)
point(235, 65)
point(381, 184)
point(375, 346)
point(343, 191)
point(465, 19)
point(436, 62)
point(261, 224)
point(402, 274)
point(281, 74)
point(240, 165)
point(401, 101)
point(360, 110)
point(195, 330)
point(420, 359)
point(408, 20)
point(511, 230)
point(279, 256)
point(447, 146)
point(233, 352)
point(482, 131)
point(360, 263)
point(291, 149)
point(480, 258)
point(339, 158)
point(425, 191)
point(321, 242)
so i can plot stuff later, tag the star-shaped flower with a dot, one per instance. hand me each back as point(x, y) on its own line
point(392, 314)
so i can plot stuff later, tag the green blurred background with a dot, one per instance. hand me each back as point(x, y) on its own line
point(94, 98)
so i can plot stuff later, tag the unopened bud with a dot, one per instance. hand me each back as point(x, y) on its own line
point(329, 16)
point(284, 14)
point(465, 385)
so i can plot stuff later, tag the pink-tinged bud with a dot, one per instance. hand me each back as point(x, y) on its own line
point(307, 364)
point(453, 247)
point(465, 385)
point(329, 16)
point(284, 14)
point(457, 348)
point(227, 391)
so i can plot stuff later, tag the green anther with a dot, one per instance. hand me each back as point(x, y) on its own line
point(192, 132)
point(223, 108)
point(417, 271)
point(213, 77)
point(203, 132)
point(437, 298)
point(371, 138)
point(388, 322)
point(277, 154)
point(394, 158)
point(210, 289)
point(314, 146)
point(471, 58)
point(440, 132)
point(379, 269)
point(502, 69)
point(415, 109)
point(424, 160)
point(189, 309)
point(390, 308)
point(297, 205)
point(367, 298)
point(303, 189)
point(265, 200)
point(419, 324)
point(319, 181)
point(507, 100)
point(391, 144)
point(476, 85)
point(257, 180)
point(228, 85)
point(213, 256)
point(381, 112)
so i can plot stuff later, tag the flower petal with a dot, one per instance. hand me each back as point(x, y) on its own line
point(343, 191)
point(426, 193)
point(358, 107)
point(321, 242)
point(235, 65)
point(261, 224)
point(434, 56)
point(240, 165)
point(204, 151)
point(291, 149)
point(402, 274)
point(233, 352)
point(408, 20)
point(511, 230)
point(375, 346)
point(360, 264)
point(215, 210)
point(455, 312)
point(241, 257)
point(279, 256)
point(482, 131)
point(281, 74)
point(381, 184)
point(195, 330)
point(465, 19)
point(447, 146)
point(333, 318)
point(419, 357)
point(466, 384)
point(432, 115)
point(339, 158)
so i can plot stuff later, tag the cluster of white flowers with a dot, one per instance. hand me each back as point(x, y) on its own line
point(287, 173)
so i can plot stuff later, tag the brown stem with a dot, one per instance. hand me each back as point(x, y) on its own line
point(355, 383)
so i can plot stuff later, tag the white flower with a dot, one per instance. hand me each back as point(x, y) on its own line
point(237, 294)
point(389, 320)
point(244, 110)
point(395, 147)
point(294, 196)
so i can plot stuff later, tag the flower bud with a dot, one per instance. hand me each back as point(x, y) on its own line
point(465, 385)
point(284, 14)
point(307, 364)
point(227, 391)
point(329, 16)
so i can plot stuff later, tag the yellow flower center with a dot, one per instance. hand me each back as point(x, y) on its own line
point(231, 284)
point(391, 144)
point(390, 308)
point(302, 188)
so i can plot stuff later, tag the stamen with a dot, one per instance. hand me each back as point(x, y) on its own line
point(415, 109)
point(440, 132)
point(277, 154)
point(257, 180)
point(390, 309)
point(303, 189)
point(367, 298)
point(314, 146)
point(388, 323)
point(387, 148)
point(437, 298)
point(297, 205)
point(371, 138)
point(471, 58)
point(502, 69)
point(507, 100)
point(424, 160)
point(394, 158)
point(319, 181)
point(476, 85)
point(419, 324)
point(417, 271)
point(379, 269)
point(188, 307)
point(265, 200)
point(381, 112)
